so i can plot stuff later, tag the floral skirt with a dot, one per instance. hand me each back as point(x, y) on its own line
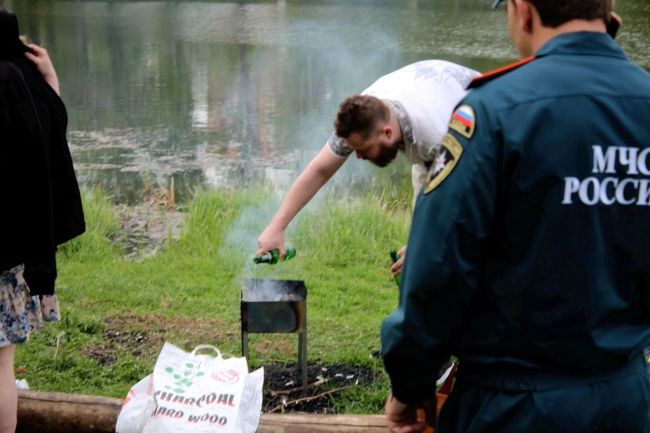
point(21, 313)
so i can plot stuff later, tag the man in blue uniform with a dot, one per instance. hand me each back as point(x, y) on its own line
point(529, 253)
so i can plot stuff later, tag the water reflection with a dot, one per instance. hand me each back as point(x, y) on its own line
point(233, 93)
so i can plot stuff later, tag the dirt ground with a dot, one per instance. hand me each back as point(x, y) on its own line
point(283, 391)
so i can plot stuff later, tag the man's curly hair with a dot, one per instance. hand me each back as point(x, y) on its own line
point(360, 114)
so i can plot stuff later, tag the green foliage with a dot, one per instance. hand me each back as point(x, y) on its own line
point(102, 230)
point(118, 312)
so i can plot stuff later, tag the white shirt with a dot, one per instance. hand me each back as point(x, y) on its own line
point(424, 95)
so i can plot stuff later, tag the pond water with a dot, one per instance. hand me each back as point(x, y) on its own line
point(216, 93)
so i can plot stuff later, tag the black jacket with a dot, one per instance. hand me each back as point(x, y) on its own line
point(42, 205)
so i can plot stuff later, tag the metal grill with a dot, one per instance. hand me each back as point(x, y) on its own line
point(275, 306)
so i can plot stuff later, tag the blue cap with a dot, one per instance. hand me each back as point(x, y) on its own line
point(496, 3)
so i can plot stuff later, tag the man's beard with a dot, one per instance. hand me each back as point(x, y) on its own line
point(385, 157)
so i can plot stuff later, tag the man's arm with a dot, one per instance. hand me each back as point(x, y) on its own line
point(441, 274)
point(305, 187)
point(419, 173)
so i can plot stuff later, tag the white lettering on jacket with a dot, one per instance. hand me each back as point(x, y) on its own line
point(612, 190)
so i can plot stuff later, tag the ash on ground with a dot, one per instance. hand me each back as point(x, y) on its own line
point(283, 391)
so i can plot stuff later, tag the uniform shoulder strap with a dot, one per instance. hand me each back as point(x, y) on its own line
point(488, 76)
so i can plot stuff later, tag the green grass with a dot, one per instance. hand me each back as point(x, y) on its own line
point(117, 313)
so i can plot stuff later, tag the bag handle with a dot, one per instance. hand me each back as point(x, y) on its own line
point(206, 346)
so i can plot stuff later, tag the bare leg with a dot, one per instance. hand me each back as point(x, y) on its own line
point(8, 393)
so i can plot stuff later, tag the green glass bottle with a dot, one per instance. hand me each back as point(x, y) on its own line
point(395, 257)
point(272, 257)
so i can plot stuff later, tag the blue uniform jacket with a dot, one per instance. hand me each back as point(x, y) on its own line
point(530, 254)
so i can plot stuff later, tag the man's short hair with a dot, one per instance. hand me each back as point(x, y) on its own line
point(360, 114)
point(554, 13)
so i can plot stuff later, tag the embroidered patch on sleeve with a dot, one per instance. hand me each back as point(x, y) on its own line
point(444, 163)
point(463, 121)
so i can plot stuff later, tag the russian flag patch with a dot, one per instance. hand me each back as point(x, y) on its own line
point(463, 121)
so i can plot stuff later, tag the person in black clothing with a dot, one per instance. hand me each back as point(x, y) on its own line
point(41, 201)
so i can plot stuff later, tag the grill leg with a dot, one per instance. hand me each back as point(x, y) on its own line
point(302, 357)
point(244, 344)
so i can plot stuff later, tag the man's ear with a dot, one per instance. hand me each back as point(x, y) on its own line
point(525, 15)
point(388, 131)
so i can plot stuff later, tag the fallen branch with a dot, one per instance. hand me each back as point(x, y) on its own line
point(310, 398)
point(298, 388)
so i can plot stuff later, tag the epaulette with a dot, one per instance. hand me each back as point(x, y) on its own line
point(488, 76)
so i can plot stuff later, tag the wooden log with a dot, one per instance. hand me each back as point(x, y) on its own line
point(310, 423)
point(54, 412)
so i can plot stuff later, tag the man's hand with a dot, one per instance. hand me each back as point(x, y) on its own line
point(403, 418)
point(399, 264)
point(41, 59)
point(271, 239)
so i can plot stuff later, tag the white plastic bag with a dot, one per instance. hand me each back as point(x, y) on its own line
point(136, 407)
point(22, 384)
point(251, 403)
point(199, 393)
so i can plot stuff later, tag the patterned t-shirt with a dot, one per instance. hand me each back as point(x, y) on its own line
point(423, 95)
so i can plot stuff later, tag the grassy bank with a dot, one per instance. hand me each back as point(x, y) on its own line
point(117, 312)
